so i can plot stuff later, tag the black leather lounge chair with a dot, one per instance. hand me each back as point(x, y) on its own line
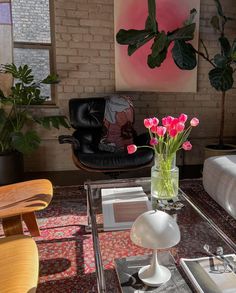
point(86, 117)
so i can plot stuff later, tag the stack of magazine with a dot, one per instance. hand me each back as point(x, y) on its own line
point(216, 274)
point(121, 206)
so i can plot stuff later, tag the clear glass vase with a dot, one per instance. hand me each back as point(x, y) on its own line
point(164, 177)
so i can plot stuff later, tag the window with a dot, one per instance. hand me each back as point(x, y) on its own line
point(32, 38)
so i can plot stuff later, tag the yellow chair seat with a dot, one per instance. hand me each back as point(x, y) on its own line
point(19, 264)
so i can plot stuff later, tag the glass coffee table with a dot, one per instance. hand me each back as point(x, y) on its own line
point(196, 229)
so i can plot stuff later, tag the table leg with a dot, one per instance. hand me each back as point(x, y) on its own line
point(12, 225)
point(31, 223)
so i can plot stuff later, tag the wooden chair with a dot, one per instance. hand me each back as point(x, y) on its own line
point(19, 201)
point(19, 263)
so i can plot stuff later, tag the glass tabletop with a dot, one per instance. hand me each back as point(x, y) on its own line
point(196, 229)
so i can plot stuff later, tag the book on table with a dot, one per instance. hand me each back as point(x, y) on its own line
point(212, 274)
point(121, 206)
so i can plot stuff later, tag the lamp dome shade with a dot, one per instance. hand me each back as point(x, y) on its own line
point(156, 230)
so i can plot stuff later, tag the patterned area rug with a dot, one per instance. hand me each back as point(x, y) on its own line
point(66, 251)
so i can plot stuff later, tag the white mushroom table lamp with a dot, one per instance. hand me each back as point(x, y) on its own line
point(155, 230)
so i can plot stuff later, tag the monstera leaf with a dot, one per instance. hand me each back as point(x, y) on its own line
point(22, 73)
point(25, 142)
point(52, 121)
point(221, 78)
point(184, 55)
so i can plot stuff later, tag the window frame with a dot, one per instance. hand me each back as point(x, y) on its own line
point(46, 46)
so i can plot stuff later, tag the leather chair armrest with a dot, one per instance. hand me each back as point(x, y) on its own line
point(69, 139)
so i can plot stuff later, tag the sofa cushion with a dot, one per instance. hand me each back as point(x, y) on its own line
point(219, 181)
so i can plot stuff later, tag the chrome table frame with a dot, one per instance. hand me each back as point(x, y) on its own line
point(93, 227)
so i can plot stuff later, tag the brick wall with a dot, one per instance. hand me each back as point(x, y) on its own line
point(85, 62)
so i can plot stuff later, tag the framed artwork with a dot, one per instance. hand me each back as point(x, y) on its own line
point(132, 72)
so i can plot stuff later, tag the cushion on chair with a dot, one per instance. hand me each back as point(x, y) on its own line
point(219, 181)
point(19, 264)
point(118, 131)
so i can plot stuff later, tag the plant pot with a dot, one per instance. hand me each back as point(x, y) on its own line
point(11, 167)
point(214, 150)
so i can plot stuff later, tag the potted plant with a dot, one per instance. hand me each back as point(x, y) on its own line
point(221, 75)
point(16, 118)
point(184, 54)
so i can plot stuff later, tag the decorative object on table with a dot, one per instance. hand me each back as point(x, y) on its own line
point(155, 230)
point(168, 205)
point(16, 114)
point(159, 39)
point(127, 271)
point(214, 273)
point(122, 206)
point(166, 140)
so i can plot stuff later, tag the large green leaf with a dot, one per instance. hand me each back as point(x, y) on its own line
point(131, 37)
point(51, 79)
point(2, 96)
point(160, 42)
point(192, 15)
point(2, 117)
point(152, 15)
point(184, 55)
point(220, 60)
point(185, 33)
point(52, 121)
point(219, 8)
point(25, 142)
point(215, 22)
point(157, 61)
point(233, 51)
point(149, 25)
point(23, 73)
point(225, 46)
point(134, 47)
point(221, 78)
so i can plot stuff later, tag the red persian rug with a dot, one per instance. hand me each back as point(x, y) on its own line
point(66, 250)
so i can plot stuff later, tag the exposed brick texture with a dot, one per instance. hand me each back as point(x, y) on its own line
point(84, 36)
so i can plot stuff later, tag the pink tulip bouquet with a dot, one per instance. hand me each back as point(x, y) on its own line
point(166, 140)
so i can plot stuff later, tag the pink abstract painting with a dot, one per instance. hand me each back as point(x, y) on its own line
point(132, 72)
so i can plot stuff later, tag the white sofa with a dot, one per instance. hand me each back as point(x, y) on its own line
point(219, 181)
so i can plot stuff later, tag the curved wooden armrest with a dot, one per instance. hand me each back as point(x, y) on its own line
point(25, 197)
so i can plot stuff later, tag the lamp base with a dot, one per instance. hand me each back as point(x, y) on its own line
point(154, 278)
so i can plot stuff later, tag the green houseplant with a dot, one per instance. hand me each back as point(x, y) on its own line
point(16, 117)
point(183, 53)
